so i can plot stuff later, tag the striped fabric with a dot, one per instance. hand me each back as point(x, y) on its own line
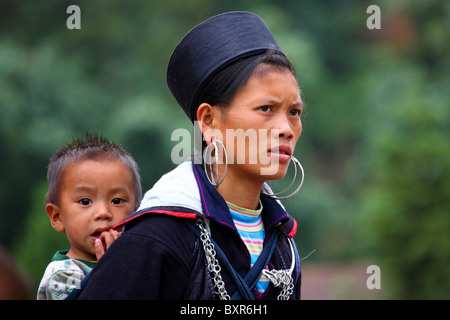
point(251, 229)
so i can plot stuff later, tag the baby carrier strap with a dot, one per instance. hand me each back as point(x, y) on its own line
point(246, 284)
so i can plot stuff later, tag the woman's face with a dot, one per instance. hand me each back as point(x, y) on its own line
point(262, 124)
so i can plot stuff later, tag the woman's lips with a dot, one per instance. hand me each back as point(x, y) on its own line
point(282, 152)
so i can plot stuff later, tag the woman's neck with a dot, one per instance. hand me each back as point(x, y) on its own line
point(239, 189)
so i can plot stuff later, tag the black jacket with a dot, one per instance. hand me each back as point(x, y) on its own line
point(158, 256)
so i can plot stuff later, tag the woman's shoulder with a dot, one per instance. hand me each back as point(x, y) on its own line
point(176, 189)
point(166, 232)
point(154, 223)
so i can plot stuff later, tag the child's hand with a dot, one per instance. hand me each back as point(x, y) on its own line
point(106, 239)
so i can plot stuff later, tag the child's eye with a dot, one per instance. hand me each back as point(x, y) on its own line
point(85, 201)
point(117, 201)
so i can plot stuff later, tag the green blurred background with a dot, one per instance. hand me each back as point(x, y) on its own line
point(375, 144)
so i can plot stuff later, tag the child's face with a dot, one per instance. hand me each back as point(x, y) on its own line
point(94, 196)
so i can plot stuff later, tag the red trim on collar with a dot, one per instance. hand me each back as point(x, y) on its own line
point(294, 229)
point(189, 215)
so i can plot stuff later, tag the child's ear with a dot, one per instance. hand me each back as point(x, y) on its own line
point(54, 213)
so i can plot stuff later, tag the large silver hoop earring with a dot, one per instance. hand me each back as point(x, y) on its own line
point(277, 196)
point(208, 162)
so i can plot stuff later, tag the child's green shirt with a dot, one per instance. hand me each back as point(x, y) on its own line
point(62, 275)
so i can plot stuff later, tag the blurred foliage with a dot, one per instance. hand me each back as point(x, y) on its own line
point(376, 127)
point(407, 199)
point(41, 241)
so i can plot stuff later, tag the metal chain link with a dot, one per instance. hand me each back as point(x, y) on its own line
point(283, 278)
point(213, 264)
point(279, 278)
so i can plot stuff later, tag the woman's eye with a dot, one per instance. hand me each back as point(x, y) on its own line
point(295, 112)
point(85, 201)
point(117, 201)
point(264, 108)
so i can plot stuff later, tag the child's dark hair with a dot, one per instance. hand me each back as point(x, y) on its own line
point(91, 146)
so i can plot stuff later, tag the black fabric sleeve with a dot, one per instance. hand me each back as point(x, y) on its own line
point(156, 250)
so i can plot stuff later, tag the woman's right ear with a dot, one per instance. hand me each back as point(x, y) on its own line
point(205, 117)
point(54, 213)
point(205, 114)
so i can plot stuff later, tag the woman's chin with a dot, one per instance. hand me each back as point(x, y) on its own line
point(273, 174)
point(274, 171)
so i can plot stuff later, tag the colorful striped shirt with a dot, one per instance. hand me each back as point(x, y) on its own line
point(250, 227)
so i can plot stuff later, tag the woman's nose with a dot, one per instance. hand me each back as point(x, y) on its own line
point(283, 128)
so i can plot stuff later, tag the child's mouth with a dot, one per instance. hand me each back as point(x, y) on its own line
point(97, 233)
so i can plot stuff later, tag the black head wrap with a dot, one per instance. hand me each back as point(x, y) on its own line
point(211, 46)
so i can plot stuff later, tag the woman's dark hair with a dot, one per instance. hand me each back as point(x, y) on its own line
point(222, 87)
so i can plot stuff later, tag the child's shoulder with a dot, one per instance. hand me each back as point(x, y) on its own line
point(61, 276)
point(61, 263)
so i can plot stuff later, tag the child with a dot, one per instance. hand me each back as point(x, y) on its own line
point(93, 184)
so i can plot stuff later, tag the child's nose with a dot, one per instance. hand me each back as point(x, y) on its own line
point(103, 212)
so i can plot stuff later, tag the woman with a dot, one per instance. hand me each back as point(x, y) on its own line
point(214, 230)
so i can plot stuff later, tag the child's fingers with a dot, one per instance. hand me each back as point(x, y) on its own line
point(109, 237)
point(99, 249)
point(104, 242)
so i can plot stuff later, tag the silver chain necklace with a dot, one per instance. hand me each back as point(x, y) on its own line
point(283, 278)
point(213, 263)
point(279, 278)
